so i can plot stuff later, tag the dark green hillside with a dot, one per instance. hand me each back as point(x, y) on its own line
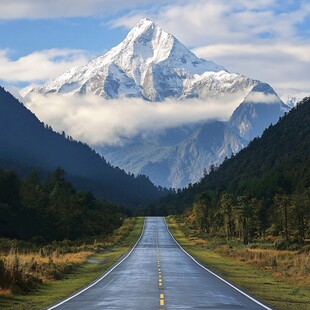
point(53, 210)
point(265, 185)
point(26, 142)
point(280, 159)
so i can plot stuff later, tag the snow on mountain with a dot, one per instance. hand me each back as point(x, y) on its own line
point(152, 64)
point(260, 108)
point(292, 101)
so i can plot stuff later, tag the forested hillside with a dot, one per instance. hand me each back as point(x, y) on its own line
point(26, 143)
point(53, 210)
point(265, 188)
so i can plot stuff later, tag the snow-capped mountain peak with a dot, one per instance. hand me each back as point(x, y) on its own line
point(149, 63)
point(146, 46)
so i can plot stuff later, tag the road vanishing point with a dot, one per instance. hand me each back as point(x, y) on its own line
point(158, 274)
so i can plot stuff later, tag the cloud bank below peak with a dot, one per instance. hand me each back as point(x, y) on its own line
point(100, 122)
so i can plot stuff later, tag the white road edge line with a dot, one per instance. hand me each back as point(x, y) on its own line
point(214, 274)
point(106, 274)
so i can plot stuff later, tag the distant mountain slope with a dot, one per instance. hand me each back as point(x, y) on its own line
point(280, 159)
point(180, 162)
point(25, 140)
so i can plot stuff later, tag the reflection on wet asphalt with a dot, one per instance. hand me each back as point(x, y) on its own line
point(159, 275)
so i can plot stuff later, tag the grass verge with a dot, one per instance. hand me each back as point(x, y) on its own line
point(255, 280)
point(79, 276)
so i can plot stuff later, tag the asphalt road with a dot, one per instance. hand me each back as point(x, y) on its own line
point(158, 274)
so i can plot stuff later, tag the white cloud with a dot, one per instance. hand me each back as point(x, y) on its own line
point(128, 21)
point(258, 38)
point(259, 97)
point(282, 65)
point(97, 121)
point(296, 52)
point(217, 21)
point(39, 66)
point(40, 9)
point(191, 23)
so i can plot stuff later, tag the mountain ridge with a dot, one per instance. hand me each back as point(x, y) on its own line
point(27, 141)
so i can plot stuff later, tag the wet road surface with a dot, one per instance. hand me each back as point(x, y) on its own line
point(158, 274)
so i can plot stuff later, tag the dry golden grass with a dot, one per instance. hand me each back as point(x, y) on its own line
point(289, 266)
point(50, 263)
point(198, 241)
point(5, 292)
point(272, 252)
point(55, 257)
point(52, 266)
point(280, 278)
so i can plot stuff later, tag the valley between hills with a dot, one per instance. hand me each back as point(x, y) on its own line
point(212, 209)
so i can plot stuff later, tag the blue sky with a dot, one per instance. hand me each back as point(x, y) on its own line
point(263, 39)
point(88, 33)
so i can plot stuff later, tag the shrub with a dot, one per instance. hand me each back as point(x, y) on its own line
point(281, 244)
point(14, 278)
point(3, 274)
point(304, 249)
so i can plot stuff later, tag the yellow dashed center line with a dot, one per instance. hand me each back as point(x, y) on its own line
point(161, 299)
point(160, 280)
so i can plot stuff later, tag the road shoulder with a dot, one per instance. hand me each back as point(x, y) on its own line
point(81, 276)
point(250, 278)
